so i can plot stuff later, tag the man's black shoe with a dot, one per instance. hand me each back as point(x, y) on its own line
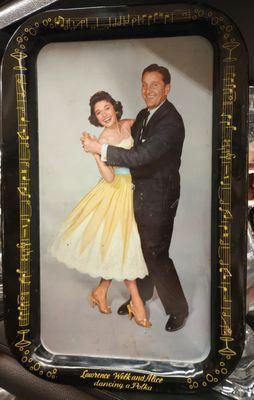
point(123, 310)
point(176, 322)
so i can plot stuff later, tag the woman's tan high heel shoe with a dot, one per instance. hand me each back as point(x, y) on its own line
point(104, 309)
point(142, 322)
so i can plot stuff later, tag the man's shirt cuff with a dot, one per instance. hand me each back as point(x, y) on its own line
point(104, 148)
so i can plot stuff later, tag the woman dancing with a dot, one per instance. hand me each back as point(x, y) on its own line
point(100, 236)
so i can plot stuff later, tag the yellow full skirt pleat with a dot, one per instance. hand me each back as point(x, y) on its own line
point(100, 236)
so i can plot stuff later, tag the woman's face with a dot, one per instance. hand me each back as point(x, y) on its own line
point(105, 113)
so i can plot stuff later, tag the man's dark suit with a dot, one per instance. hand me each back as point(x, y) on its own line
point(154, 166)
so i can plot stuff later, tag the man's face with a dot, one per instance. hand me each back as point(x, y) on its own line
point(154, 90)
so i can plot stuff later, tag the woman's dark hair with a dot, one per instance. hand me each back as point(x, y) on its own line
point(100, 96)
point(162, 70)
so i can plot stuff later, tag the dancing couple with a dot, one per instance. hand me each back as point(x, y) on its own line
point(122, 228)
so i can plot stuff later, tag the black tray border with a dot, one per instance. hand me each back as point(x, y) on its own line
point(229, 146)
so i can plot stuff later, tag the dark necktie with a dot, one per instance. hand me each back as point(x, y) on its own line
point(141, 137)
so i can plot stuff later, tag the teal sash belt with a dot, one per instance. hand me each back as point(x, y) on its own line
point(121, 171)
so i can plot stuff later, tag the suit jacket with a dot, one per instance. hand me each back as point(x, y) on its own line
point(154, 164)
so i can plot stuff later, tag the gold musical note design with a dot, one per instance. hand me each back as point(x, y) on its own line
point(19, 56)
point(150, 19)
point(230, 46)
point(227, 214)
point(23, 342)
point(227, 351)
point(134, 21)
point(60, 21)
point(226, 273)
point(229, 90)
point(64, 23)
point(168, 18)
point(226, 119)
point(25, 231)
point(126, 20)
point(181, 15)
point(226, 156)
point(23, 190)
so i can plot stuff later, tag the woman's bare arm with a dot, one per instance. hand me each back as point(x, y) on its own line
point(106, 171)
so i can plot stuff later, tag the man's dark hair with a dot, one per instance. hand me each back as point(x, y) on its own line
point(100, 96)
point(162, 70)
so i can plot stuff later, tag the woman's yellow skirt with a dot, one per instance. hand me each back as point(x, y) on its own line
point(100, 236)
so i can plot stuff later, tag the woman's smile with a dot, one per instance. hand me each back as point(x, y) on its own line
point(105, 113)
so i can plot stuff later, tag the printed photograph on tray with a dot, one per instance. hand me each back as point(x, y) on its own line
point(94, 227)
point(124, 196)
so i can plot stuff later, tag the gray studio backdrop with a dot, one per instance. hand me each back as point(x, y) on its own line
point(68, 74)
